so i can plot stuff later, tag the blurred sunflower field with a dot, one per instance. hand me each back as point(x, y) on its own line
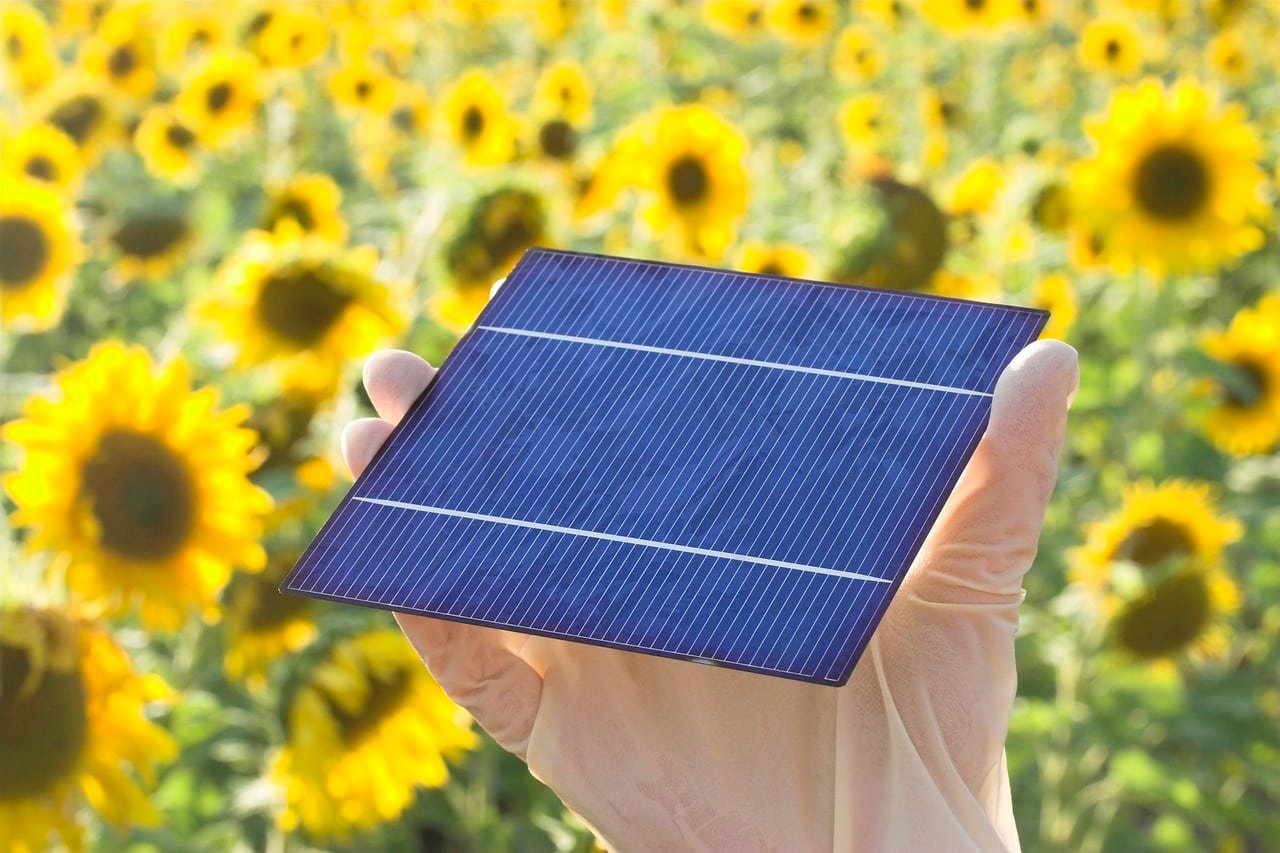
point(212, 212)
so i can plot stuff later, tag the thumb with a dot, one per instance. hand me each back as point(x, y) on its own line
point(985, 538)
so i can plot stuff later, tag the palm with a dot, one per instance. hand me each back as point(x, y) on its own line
point(668, 755)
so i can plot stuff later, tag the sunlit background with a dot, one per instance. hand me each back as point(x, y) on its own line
point(210, 213)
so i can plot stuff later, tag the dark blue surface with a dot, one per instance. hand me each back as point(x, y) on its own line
point(676, 460)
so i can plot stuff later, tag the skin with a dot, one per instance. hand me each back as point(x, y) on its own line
point(657, 754)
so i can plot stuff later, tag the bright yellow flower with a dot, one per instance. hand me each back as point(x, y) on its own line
point(42, 154)
point(780, 259)
point(1056, 294)
point(967, 16)
point(142, 482)
point(121, 53)
point(302, 303)
point(738, 19)
point(864, 123)
point(1155, 569)
point(1229, 57)
point(190, 35)
point(219, 98)
point(856, 55)
point(692, 164)
point(75, 731)
point(80, 107)
point(293, 36)
point(167, 145)
point(1246, 419)
point(1111, 45)
point(976, 189)
point(478, 121)
point(28, 52)
point(313, 202)
point(366, 728)
point(363, 86)
point(39, 248)
point(802, 22)
point(1174, 180)
point(563, 91)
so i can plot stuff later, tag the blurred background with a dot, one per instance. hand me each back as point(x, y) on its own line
point(210, 213)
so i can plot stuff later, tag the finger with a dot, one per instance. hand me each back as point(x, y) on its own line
point(360, 441)
point(394, 379)
point(985, 539)
point(480, 670)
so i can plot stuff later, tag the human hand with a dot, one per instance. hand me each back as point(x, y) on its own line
point(658, 754)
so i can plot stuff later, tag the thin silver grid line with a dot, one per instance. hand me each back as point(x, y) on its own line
point(841, 374)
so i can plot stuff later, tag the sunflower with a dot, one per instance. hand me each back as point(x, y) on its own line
point(39, 247)
point(219, 99)
point(967, 16)
point(501, 225)
point(476, 113)
point(312, 201)
point(1174, 181)
point(78, 106)
point(43, 154)
point(1111, 45)
point(167, 145)
point(802, 22)
point(693, 165)
point(1229, 57)
point(856, 56)
point(190, 36)
point(366, 727)
point(363, 86)
point(564, 92)
point(553, 18)
point(263, 625)
point(975, 190)
point(742, 20)
point(900, 238)
point(149, 244)
point(29, 57)
point(779, 259)
point(1051, 206)
point(74, 730)
point(291, 37)
point(1246, 417)
point(1055, 294)
point(120, 52)
point(1156, 569)
point(303, 303)
point(141, 482)
point(597, 190)
point(864, 123)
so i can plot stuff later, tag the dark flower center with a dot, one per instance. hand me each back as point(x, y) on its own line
point(24, 250)
point(1167, 617)
point(141, 494)
point(771, 268)
point(217, 97)
point(1171, 183)
point(364, 89)
point(150, 236)
point(384, 698)
point(291, 207)
point(77, 117)
point(301, 302)
point(13, 45)
point(122, 61)
point(1249, 387)
point(472, 122)
point(269, 609)
point(806, 12)
point(687, 180)
point(178, 136)
point(259, 23)
point(558, 139)
point(1112, 49)
point(1154, 542)
point(41, 168)
point(42, 729)
point(975, 5)
point(1051, 207)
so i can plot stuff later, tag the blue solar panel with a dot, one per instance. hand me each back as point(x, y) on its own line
point(702, 464)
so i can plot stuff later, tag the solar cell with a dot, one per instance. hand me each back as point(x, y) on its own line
point(730, 468)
